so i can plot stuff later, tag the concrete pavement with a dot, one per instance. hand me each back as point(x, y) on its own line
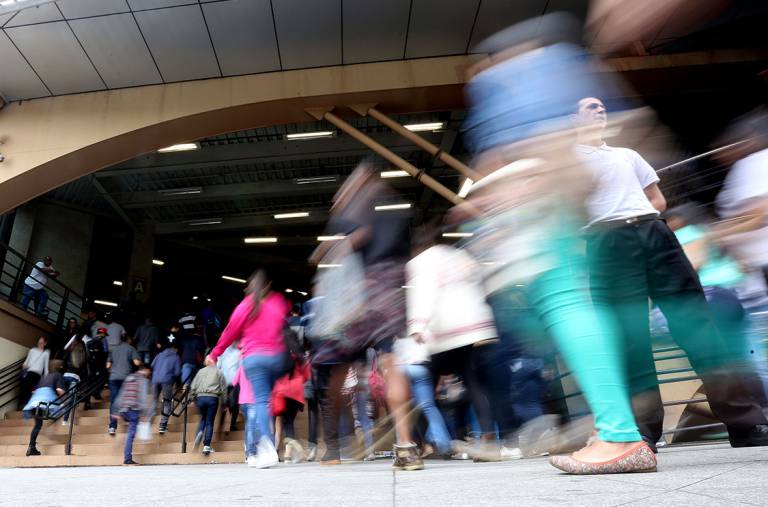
point(700, 475)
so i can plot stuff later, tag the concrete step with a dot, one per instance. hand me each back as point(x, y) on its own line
point(87, 417)
point(102, 460)
point(87, 426)
point(115, 448)
point(102, 437)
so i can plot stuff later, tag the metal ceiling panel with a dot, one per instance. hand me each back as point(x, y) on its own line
point(138, 5)
point(39, 14)
point(117, 50)
point(440, 27)
point(5, 17)
point(308, 32)
point(495, 15)
point(81, 8)
point(375, 30)
point(55, 54)
point(243, 35)
point(17, 80)
point(179, 42)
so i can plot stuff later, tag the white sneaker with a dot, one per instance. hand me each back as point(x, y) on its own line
point(64, 423)
point(253, 461)
point(112, 431)
point(207, 449)
point(267, 454)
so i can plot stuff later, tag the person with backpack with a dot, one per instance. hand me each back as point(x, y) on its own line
point(207, 389)
point(75, 368)
point(96, 349)
point(166, 368)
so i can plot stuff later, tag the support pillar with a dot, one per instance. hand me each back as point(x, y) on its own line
point(140, 271)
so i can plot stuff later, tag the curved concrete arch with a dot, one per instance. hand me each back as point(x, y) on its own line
point(49, 142)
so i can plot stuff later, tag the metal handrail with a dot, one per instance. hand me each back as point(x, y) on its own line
point(179, 408)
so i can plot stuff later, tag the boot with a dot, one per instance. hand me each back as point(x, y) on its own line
point(32, 451)
point(407, 458)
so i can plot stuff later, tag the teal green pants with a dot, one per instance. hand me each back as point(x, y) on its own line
point(588, 342)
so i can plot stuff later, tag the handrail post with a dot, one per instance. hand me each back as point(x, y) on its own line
point(62, 307)
point(68, 448)
point(184, 429)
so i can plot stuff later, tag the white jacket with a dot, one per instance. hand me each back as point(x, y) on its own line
point(446, 301)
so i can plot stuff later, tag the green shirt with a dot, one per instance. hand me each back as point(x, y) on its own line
point(718, 270)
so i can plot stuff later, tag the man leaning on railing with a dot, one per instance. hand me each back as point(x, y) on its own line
point(34, 286)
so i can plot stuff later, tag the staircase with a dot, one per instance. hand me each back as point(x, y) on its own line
point(92, 446)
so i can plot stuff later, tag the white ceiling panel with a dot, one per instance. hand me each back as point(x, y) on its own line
point(179, 42)
point(375, 30)
point(496, 15)
point(243, 35)
point(82, 8)
point(40, 14)
point(137, 5)
point(17, 80)
point(117, 50)
point(55, 54)
point(308, 32)
point(440, 27)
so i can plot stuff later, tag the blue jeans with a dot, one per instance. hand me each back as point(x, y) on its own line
point(424, 395)
point(262, 371)
point(132, 418)
point(114, 391)
point(39, 295)
point(360, 401)
point(208, 406)
point(188, 371)
point(146, 356)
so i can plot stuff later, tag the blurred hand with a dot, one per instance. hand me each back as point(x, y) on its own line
point(209, 361)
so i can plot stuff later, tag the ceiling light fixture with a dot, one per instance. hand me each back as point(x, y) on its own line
point(105, 303)
point(338, 237)
point(158, 262)
point(288, 290)
point(298, 214)
point(194, 298)
point(302, 293)
point(118, 283)
point(309, 135)
point(391, 207)
point(457, 234)
point(205, 221)
point(233, 279)
point(317, 179)
point(421, 127)
point(8, 6)
point(260, 240)
point(326, 266)
point(394, 174)
point(181, 191)
point(179, 147)
point(465, 188)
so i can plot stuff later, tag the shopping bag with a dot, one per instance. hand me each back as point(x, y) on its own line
point(229, 362)
point(342, 295)
point(144, 431)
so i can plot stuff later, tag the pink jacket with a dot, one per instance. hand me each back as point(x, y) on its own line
point(246, 389)
point(262, 334)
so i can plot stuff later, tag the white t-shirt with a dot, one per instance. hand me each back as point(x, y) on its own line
point(621, 176)
point(746, 182)
point(37, 278)
point(115, 333)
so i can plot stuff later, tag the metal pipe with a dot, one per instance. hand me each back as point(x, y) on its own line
point(702, 155)
point(68, 448)
point(406, 166)
point(184, 429)
point(422, 143)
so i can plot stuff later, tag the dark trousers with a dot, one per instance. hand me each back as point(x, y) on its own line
point(35, 431)
point(208, 406)
point(292, 408)
point(165, 393)
point(233, 397)
point(628, 265)
point(114, 391)
point(333, 408)
point(313, 413)
point(28, 384)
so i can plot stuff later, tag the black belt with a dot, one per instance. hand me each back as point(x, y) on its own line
point(613, 224)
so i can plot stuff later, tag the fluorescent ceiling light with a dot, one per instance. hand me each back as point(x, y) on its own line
point(209, 300)
point(394, 174)
point(118, 283)
point(302, 293)
point(310, 135)
point(457, 234)
point(389, 207)
point(407, 287)
point(298, 214)
point(338, 237)
point(326, 266)
point(179, 147)
point(260, 240)
point(7, 6)
point(288, 290)
point(194, 298)
point(181, 191)
point(420, 127)
point(205, 221)
point(158, 262)
point(317, 179)
point(104, 303)
point(465, 188)
point(233, 279)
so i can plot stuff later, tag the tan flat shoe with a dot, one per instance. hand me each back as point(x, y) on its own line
point(638, 458)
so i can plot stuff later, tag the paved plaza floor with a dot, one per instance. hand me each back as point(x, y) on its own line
point(699, 475)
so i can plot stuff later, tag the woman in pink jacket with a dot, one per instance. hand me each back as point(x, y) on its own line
point(258, 323)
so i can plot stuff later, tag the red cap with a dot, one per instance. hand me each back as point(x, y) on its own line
point(101, 330)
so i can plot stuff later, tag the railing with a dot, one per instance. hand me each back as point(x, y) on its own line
point(10, 381)
point(63, 303)
point(179, 408)
point(67, 404)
